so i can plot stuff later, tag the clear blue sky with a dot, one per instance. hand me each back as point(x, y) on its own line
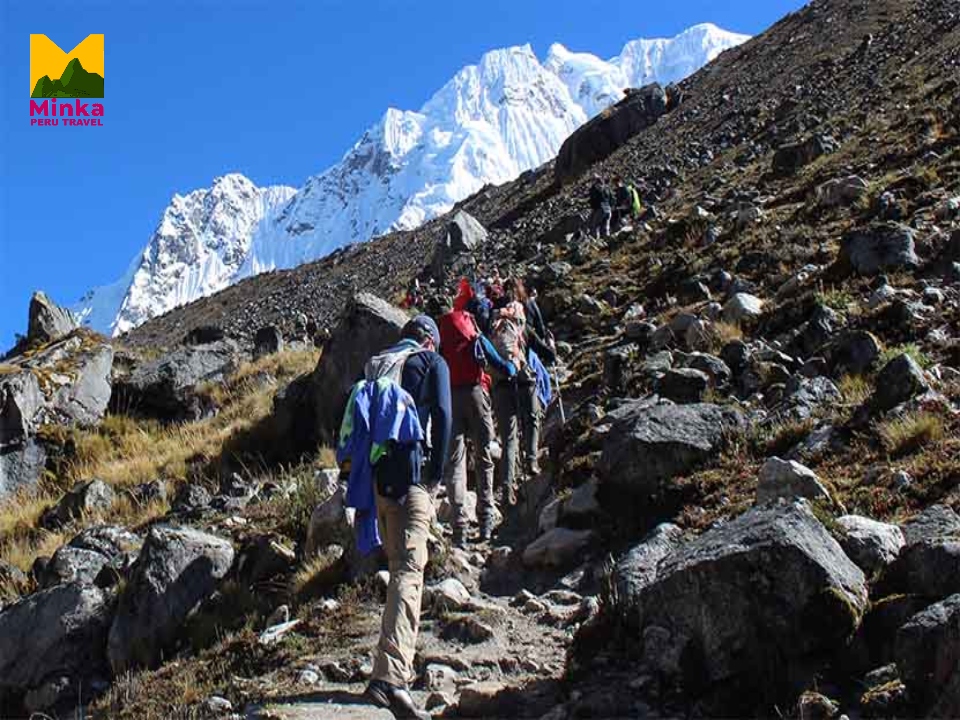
point(277, 90)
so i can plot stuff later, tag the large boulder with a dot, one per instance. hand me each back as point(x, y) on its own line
point(465, 233)
point(50, 635)
point(879, 247)
point(20, 401)
point(558, 547)
point(167, 388)
point(609, 130)
point(927, 651)
point(177, 570)
point(267, 341)
point(638, 567)
point(683, 385)
point(742, 307)
point(48, 321)
point(650, 445)
point(743, 616)
point(368, 326)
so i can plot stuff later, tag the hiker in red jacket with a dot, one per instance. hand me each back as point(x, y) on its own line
point(468, 352)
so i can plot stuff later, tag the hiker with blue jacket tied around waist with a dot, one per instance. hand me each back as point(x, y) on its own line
point(406, 389)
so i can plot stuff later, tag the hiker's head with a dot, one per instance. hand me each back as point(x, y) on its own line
point(423, 331)
point(516, 291)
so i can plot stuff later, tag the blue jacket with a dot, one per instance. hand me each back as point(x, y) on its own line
point(544, 392)
point(377, 414)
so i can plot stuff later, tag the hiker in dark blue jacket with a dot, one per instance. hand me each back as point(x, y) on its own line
point(405, 523)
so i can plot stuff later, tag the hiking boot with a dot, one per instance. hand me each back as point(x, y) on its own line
point(533, 467)
point(396, 699)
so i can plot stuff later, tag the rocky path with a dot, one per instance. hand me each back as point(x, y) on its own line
point(486, 655)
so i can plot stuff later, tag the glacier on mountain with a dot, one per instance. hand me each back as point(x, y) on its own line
point(492, 121)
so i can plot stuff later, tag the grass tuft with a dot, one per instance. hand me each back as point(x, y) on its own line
point(902, 436)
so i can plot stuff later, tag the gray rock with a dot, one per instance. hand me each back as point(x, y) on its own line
point(842, 191)
point(467, 629)
point(582, 503)
point(267, 341)
point(638, 567)
point(167, 388)
point(788, 479)
point(48, 321)
point(742, 307)
point(369, 325)
point(177, 569)
point(20, 401)
point(879, 247)
point(793, 156)
point(465, 233)
point(190, 498)
point(683, 385)
point(870, 544)
point(557, 548)
point(927, 651)
point(901, 379)
point(937, 522)
point(930, 568)
point(71, 564)
point(609, 130)
point(61, 631)
point(85, 498)
point(21, 466)
point(748, 604)
point(85, 396)
point(719, 372)
point(803, 397)
point(329, 523)
point(450, 595)
point(651, 445)
point(853, 352)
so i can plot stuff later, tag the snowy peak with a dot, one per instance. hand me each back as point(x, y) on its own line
point(490, 122)
point(199, 244)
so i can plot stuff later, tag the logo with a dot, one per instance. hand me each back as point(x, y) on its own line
point(56, 75)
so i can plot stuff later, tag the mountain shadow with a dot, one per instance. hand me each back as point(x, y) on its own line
point(74, 82)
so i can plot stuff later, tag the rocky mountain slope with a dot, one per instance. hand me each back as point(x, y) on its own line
point(749, 510)
point(489, 123)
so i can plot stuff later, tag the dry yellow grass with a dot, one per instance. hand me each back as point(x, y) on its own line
point(905, 435)
point(124, 452)
point(855, 389)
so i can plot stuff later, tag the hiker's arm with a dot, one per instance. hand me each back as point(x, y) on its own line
point(505, 367)
point(441, 422)
point(540, 346)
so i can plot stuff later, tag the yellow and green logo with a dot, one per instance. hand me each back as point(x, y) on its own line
point(58, 74)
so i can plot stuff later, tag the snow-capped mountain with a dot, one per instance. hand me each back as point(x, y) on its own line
point(199, 245)
point(489, 123)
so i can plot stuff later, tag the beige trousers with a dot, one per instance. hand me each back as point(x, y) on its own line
point(404, 528)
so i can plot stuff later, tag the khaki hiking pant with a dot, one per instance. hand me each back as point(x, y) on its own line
point(404, 528)
point(518, 412)
point(473, 419)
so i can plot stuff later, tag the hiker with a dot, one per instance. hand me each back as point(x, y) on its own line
point(406, 387)
point(624, 202)
point(538, 335)
point(515, 401)
point(480, 306)
point(636, 207)
point(601, 203)
point(414, 297)
point(467, 352)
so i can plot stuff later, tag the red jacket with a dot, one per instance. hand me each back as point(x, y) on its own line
point(458, 335)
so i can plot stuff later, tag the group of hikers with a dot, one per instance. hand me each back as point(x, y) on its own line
point(612, 206)
point(481, 365)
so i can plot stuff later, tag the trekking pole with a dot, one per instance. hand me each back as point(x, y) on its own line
point(563, 416)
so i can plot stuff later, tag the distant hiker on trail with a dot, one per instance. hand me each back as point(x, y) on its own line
point(627, 203)
point(515, 400)
point(601, 203)
point(405, 388)
point(467, 352)
point(414, 297)
point(538, 336)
